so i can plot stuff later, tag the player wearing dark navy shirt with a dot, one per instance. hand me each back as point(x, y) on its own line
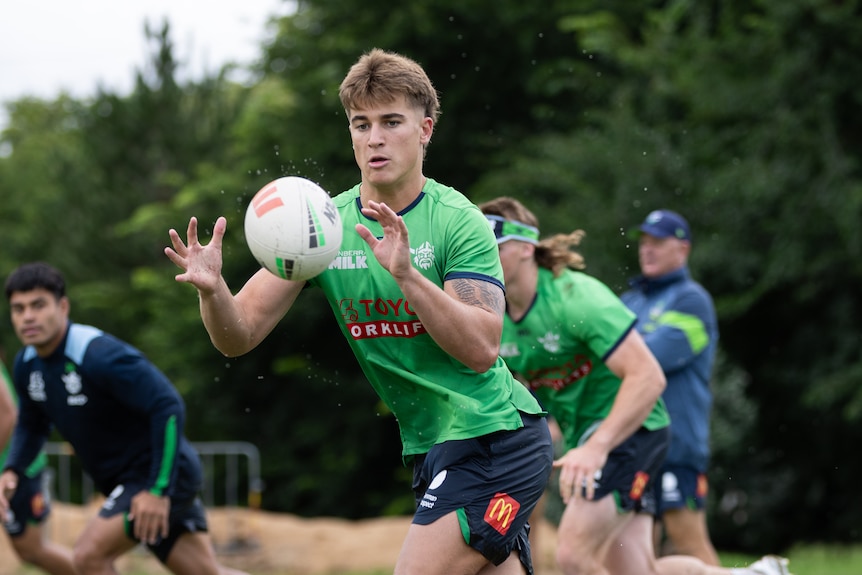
point(123, 418)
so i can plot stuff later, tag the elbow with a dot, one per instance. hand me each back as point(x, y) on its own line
point(484, 359)
point(231, 347)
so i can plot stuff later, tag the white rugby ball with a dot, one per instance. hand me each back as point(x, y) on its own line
point(293, 228)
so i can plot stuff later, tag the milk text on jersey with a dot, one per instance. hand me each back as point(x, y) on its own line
point(350, 260)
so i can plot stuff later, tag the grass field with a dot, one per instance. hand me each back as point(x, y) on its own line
point(804, 560)
point(812, 560)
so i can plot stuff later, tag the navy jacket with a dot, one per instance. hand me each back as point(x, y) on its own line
point(121, 415)
point(676, 318)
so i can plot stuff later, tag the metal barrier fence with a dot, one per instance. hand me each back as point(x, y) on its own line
point(221, 462)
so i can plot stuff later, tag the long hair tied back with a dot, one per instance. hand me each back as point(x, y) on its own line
point(555, 253)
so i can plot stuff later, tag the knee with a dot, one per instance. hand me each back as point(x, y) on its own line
point(572, 562)
point(88, 559)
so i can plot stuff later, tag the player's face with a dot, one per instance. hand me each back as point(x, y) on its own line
point(389, 142)
point(39, 319)
point(659, 256)
point(514, 254)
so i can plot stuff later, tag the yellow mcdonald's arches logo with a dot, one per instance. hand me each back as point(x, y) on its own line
point(702, 485)
point(502, 509)
point(639, 483)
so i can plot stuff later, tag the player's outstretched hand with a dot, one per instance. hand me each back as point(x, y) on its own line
point(150, 515)
point(393, 250)
point(201, 264)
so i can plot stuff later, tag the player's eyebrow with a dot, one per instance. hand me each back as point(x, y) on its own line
point(384, 117)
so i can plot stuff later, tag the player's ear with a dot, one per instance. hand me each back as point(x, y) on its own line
point(427, 130)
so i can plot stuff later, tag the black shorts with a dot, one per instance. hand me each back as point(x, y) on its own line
point(631, 469)
point(492, 482)
point(186, 516)
point(29, 505)
point(680, 486)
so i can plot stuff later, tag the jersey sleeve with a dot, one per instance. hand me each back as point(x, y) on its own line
point(474, 252)
point(680, 333)
point(604, 321)
point(33, 426)
point(138, 385)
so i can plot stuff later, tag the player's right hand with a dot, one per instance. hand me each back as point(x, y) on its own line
point(8, 485)
point(201, 264)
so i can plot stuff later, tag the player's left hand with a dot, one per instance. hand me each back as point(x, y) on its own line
point(150, 515)
point(578, 469)
point(393, 251)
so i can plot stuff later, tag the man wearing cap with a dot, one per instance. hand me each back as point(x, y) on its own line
point(676, 318)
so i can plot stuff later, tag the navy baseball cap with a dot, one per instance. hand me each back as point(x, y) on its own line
point(665, 224)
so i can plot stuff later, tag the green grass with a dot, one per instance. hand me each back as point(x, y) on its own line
point(811, 560)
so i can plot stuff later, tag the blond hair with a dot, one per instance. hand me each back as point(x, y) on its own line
point(380, 77)
point(553, 253)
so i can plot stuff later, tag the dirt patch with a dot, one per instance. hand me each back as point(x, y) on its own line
point(266, 543)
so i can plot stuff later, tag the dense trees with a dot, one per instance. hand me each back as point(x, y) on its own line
point(743, 115)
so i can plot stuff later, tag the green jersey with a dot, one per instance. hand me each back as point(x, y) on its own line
point(41, 460)
point(434, 397)
point(559, 349)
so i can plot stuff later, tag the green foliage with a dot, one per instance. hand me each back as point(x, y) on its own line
point(735, 116)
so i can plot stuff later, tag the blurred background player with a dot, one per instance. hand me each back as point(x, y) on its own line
point(572, 340)
point(123, 418)
point(676, 318)
point(30, 506)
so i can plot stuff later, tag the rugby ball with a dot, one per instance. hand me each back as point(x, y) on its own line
point(293, 228)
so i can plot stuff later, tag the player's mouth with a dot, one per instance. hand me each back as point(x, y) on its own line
point(377, 161)
point(30, 332)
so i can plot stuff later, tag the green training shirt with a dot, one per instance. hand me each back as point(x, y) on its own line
point(434, 397)
point(559, 349)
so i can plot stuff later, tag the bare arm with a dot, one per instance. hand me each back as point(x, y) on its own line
point(642, 384)
point(465, 318)
point(236, 324)
point(8, 415)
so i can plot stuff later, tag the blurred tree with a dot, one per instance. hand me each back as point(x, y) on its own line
point(743, 115)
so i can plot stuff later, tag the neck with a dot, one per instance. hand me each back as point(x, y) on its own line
point(47, 348)
point(397, 195)
point(521, 291)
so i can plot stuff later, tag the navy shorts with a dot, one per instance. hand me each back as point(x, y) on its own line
point(30, 505)
point(492, 482)
point(680, 486)
point(631, 469)
point(186, 516)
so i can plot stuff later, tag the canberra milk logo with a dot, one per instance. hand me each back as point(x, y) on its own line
point(551, 342)
point(350, 260)
point(36, 387)
point(423, 256)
